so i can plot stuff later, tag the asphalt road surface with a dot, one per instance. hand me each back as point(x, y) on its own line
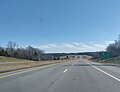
point(73, 76)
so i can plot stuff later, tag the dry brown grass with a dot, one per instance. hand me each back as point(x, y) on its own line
point(22, 65)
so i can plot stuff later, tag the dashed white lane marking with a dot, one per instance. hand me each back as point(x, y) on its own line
point(65, 70)
point(104, 72)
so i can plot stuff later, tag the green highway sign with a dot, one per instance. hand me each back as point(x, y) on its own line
point(104, 55)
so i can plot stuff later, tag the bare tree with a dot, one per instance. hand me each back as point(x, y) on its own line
point(114, 49)
point(11, 47)
point(30, 52)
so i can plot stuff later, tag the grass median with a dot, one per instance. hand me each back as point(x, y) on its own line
point(18, 64)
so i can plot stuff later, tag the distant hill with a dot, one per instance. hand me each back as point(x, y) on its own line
point(95, 54)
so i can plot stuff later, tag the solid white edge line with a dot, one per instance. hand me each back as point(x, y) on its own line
point(65, 70)
point(104, 72)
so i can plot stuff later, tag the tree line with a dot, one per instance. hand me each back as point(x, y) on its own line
point(114, 48)
point(31, 53)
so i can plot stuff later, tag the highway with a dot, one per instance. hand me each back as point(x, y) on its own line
point(71, 76)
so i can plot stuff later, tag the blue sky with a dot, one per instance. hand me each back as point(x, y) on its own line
point(60, 25)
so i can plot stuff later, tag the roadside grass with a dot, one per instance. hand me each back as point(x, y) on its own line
point(9, 59)
point(115, 60)
point(22, 64)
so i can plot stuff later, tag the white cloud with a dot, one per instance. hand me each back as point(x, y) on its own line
point(76, 43)
point(47, 46)
point(75, 47)
point(67, 45)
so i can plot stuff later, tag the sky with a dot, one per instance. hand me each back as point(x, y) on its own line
point(60, 25)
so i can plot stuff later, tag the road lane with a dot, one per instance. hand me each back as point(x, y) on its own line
point(117, 79)
point(84, 78)
point(34, 81)
point(72, 76)
point(111, 69)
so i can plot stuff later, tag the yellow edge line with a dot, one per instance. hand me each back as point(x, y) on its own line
point(23, 72)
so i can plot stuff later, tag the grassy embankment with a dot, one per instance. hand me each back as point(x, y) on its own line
point(115, 60)
point(16, 64)
point(9, 59)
